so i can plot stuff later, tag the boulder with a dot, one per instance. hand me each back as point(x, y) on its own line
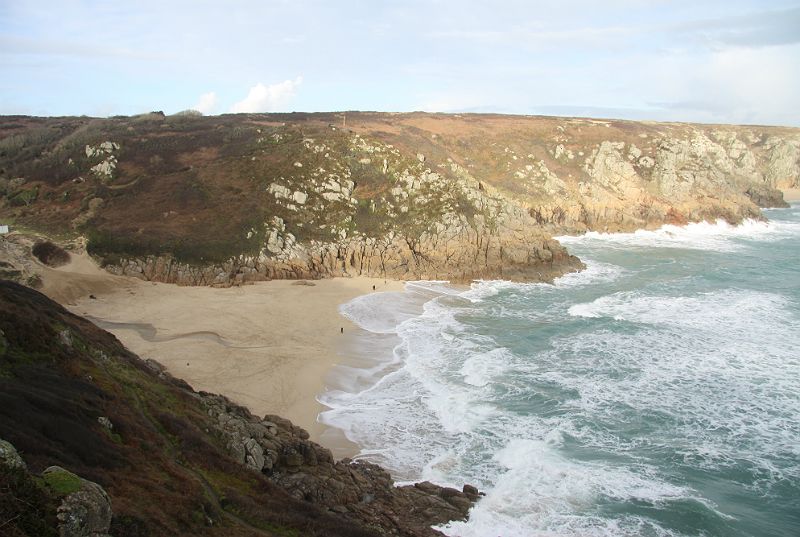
point(357, 490)
point(254, 455)
point(765, 196)
point(85, 509)
point(105, 422)
point(9, 456)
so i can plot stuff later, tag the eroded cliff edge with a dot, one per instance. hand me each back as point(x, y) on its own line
point(223, 199)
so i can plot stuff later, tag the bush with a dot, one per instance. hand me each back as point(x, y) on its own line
point(50, 254)
point(25, 508)
point(25, 197)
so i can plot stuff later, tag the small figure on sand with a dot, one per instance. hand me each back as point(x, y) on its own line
point(341, 330)
point(373, 287)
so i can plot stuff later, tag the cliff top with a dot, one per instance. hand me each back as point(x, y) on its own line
point(287, 189)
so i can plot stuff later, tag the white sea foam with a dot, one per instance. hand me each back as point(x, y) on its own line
point(381, 312)
point(721, 366)
point(538, 492)
point(595, 272)
point(481, 368)
point(415, 403)
point(483, 289)
point(718, 236)
point(432, 288)
point(707, 379)
point(728, 311)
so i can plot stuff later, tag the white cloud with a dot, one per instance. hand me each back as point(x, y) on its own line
point(206, 103)
point(737, 85)
point(270, 98)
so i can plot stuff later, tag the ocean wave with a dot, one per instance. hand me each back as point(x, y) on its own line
point(383, 312)
point(481, 368)
point(597, 429)
point(727, 311)
point(538, 490)
point(714, 367)
point(718, 236)
point(595, 272)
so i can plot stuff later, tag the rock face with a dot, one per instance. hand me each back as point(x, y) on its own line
point(177, 462)
point(358, 490)
point(85, 511)
point(765, 196)
point(523, 258)
point(226, 200)
point(9, 456)
point(424, 225)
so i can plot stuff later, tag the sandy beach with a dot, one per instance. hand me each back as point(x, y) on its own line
point(791, 194)
point(267, 346)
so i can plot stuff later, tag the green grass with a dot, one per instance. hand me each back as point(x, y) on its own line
point(24, 197)
point(62, 482)
point(117, 439)
point(26, 506)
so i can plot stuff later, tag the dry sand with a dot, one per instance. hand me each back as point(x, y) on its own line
point(79, 278)
point(267, 346)
point(791, 194)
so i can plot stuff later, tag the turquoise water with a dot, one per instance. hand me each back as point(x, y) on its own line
point(656, 393)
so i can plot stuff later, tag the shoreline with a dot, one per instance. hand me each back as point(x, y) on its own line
point(270, 346)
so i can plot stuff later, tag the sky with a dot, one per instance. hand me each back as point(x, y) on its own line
point(711, 61)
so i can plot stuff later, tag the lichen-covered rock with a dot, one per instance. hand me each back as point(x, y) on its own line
point(437, 218)
point(9, 456)
point(358, 490)
point(610, 169)
point(764, 195)
point(405, 196)
point(783, 165)
point(105, 422)
point(85, 509)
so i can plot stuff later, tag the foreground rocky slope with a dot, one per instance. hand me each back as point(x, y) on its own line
point(222, 199)
point(96, 441)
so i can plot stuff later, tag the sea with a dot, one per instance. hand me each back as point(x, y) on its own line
point(656, 393)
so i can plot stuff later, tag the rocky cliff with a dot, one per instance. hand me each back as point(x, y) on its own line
point(226, 199)
point(94, 441)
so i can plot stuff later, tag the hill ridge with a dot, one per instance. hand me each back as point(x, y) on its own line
point(222, 199)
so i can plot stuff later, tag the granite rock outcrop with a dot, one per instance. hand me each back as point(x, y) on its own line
point(83, 507)
point(358, 490)
point(229, 199)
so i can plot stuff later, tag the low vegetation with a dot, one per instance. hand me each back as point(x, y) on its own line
point(166, 471)
point(50, 254)
point(206, 190)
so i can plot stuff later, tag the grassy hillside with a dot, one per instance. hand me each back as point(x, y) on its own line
point(405, 195)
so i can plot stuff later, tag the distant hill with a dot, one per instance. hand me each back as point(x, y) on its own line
point(201, 200)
